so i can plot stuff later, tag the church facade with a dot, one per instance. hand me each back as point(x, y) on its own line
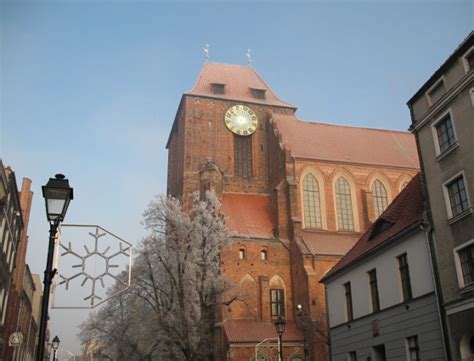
point(297, 196)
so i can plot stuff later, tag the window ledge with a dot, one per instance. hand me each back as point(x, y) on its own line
point(447, 151)
point(460, 216)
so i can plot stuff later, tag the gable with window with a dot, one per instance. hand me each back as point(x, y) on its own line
point(345, 216)
point(311, 202)
point(217, 88)
point(258, 93)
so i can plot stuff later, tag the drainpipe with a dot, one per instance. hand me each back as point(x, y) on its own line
point(427, 229)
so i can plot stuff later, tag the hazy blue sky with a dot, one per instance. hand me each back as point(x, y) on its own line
point(90, 89)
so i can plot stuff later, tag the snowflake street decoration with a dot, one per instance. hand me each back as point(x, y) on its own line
point(95, 268)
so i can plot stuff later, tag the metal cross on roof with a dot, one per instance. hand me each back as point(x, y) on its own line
point(206, 51)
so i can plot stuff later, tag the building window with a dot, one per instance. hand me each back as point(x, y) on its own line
point(263, 255)
point(380, 197)
point(241, 253)
point(436, 92)
point(457, 195)
point(378, 353)
point(352, 356)
point(218, 88)
point(348, 294)
point(345, 218)
point(243, 156)
point(445, 133)
point(405, 277)
point(374, 290)
point(413, 350)
point(258, 93)
point(277, 302)
point(466, 262)
point(311, 202)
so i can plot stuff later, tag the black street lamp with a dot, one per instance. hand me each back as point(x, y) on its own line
point(300, 314)
point(57, 195)
point(280, 328)
point(55, 346)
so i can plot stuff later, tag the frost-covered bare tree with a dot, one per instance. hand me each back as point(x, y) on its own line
point(169, 312)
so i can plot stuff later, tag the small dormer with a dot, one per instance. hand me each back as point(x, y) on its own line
point(258, 93)
point(381, 225)
point(217, 88)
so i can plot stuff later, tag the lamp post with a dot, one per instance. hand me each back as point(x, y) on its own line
point(300, 314)
point(57, 195)
point(55, 346)
point(280, 328)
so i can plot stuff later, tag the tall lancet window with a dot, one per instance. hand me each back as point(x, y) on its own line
point(311, 202)
point(380, 197)
point(345, 216)
point(243, 156)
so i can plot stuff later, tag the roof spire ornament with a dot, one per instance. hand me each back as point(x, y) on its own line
point(206, 51)
point(249, 57)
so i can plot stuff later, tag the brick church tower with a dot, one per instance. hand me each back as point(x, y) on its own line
point(297, 195)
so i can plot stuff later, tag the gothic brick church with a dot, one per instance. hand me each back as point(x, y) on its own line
point(297, 195)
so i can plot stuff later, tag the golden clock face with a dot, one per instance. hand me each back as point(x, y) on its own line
point(241, 120)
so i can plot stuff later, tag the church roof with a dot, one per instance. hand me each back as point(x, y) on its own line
point(405, 211)
point(327, 243)
point(239, 80)
point(256, 331)
point(249, 215)
point(347, 144)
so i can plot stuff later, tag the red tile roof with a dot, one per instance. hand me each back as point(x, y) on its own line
point(347, 144)
point(405, 211)
point(326, 243)
point(256, 331)
point(238, 80)
point(249, 215)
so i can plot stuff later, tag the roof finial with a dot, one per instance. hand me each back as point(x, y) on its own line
point(249, 57)
point(206, 50)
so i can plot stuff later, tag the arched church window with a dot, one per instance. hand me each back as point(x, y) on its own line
point(345, 216)
point(263, 255)
point(241, 253)
point(243, 156)
point(311, 202)
point(380, 197)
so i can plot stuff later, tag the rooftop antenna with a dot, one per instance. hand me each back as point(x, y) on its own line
point(206, 51)
point(249, 57)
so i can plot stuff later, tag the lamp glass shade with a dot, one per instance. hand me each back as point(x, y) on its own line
point(280, 325)
point(55, 342)
point(57, 195)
